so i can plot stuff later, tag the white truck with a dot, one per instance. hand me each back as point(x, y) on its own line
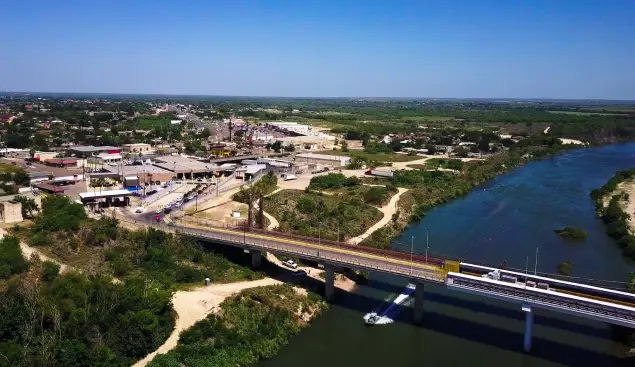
point(289, 177)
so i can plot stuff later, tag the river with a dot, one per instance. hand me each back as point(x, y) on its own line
point(504, 219)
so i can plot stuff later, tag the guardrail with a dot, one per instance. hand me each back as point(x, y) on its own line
point(356, 257)
point(555, 301)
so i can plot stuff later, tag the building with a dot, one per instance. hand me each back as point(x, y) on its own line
point(108, 158)
point(184, 167)
point(137, 148)
point(61, 162)
point(144, 173)
point(44, 156)
point(323, 159)
point(89, 150)
point(11, 210)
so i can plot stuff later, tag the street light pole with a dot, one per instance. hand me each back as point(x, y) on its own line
point(427, 245)
point(412, 248)
point(536, 264)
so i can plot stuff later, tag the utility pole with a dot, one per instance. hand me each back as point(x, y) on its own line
point(536, 264)
point(427, 245)
point(412, 248)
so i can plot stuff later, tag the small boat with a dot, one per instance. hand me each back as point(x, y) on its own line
point(371, 318)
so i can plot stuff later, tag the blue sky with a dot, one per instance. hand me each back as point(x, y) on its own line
point(424, 48)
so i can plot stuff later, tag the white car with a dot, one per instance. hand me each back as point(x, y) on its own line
point(291, 264)
point(167, 206)
point(158, 211)
point(177, 204)
point(138, 210)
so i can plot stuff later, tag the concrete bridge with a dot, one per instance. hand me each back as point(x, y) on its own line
point(607, 305)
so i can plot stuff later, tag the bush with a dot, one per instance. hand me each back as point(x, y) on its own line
point(565, 268)
point(333, 181)
point(11, 259)
point(571, 233)
point(50, 271)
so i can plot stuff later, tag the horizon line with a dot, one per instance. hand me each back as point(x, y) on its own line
point(331, 97)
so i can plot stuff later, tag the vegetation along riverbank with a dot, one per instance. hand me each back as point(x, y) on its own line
point(612, 201)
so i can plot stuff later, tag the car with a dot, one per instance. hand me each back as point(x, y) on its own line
point(167, 210)
point(299, 172)
point(158, 211)
point(299, 273)
point(138, 210)
point(168, 205)
point(177, 204)
point(291, 264)
point(157, 217)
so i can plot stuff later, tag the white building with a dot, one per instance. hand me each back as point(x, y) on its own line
point(323, 159)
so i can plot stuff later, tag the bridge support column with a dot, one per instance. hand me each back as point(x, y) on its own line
point(418, 308)
point(529, 325)
point(256, 259)
point(329, 282)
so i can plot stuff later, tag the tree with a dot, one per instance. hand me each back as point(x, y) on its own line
point(289, 148)
point(276, 146)
point(11, 259)
point(483, 144)
point(206, 133)
point(460, 152)
point(431, 149)
point(28, 205)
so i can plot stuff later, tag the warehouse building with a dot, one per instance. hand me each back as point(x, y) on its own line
point(323, 159)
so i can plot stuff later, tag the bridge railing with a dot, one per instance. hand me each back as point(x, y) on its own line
point(557, 300)
point(433, 261)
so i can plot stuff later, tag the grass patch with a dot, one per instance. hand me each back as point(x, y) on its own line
point(434, 163)
point(10, 168)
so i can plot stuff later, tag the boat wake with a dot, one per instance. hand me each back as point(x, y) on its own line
point(385, 314)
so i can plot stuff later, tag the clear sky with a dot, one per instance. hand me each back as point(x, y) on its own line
point(326, 48)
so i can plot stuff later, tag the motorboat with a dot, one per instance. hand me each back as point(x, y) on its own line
point(371, 318)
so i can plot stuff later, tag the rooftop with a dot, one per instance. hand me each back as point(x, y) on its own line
point(103, 194)
point(322, 156)
point(91, 148)
point(178, 164)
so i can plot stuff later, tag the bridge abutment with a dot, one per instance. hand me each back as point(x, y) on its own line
point(329, 282)
point(529, 325)
point(418, 307)
point(256, 259)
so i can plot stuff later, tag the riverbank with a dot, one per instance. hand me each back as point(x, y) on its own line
point(430, 189)
point(248, 327)
point(615, 204)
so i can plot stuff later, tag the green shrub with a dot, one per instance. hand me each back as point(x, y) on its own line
point(50, 271)
point(11, 259)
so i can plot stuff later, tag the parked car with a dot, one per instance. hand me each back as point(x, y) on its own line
point(139, 210)
point(158, 211)
point(291, 264)
point(157, 217)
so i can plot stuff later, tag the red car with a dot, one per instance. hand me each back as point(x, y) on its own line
point(157, 218)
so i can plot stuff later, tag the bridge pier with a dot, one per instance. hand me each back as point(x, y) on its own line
point(418, 307)
point(329, 282)
point(256, 259)
point(529, 325)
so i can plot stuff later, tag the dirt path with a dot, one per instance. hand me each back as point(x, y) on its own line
point(388, 210)
point(28, 251)
point(195, 305)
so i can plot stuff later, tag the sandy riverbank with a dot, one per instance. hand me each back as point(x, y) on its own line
point(193, 306)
